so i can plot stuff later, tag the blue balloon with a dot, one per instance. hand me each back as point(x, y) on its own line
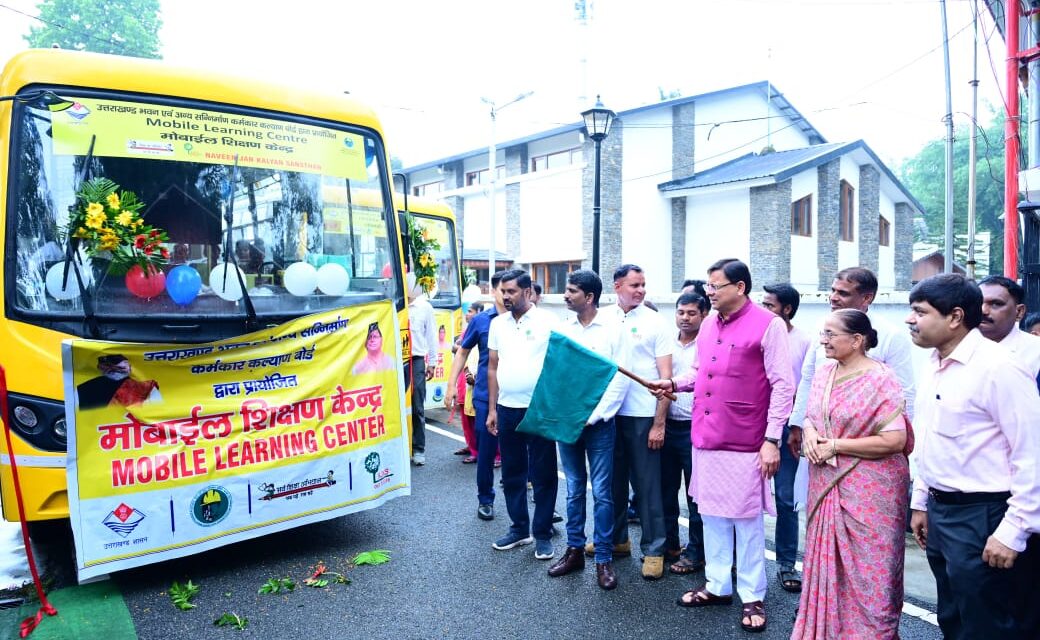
point(183, 284)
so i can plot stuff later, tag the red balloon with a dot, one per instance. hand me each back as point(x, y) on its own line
point(145, 286)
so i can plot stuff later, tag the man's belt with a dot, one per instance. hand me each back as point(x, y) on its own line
point(959, 497)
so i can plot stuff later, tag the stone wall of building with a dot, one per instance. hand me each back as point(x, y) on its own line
point(827, 214)
point(610, 201)
point(770, 234)
point(903, 236)
point(516, 164)
point(683, 143)
point(869, 212)
point(454, 177)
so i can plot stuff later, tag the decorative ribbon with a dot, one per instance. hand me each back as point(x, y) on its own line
point(31, 622)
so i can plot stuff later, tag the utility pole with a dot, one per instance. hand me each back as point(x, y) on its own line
point(492, 171)
point(948, 251)
point(973, 142)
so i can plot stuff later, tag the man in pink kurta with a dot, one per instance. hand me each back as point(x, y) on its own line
point(742, 397)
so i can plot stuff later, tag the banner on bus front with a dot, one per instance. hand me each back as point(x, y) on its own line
point(176, 449)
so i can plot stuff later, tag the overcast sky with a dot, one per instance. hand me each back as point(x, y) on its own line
point(870, 69)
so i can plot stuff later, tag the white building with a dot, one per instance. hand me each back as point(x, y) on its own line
point(733, 173)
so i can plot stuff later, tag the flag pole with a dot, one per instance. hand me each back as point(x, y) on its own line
point(626, 372)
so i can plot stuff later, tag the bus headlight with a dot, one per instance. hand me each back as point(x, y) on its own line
point(26, 418)
point(38, 421)
point(60, 430)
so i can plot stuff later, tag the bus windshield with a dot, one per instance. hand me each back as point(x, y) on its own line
point(311, 227)
point(443, 231)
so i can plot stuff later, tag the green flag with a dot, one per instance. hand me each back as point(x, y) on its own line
point(572, 382)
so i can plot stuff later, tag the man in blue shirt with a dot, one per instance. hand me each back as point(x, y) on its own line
point(487, 445)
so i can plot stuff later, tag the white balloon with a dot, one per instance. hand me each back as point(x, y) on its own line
point(333, 279)
point(227, 288)
point(71, 289)
point(301, 279)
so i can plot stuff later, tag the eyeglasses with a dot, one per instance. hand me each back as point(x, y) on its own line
point(828, 335)
point(712, 288)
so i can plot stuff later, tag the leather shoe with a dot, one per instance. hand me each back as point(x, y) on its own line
point(605, 575)
point(573, 560)
point(486, 512)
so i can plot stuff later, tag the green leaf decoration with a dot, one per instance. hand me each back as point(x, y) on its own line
point(232, 620)
point(277, 585)
point(182, 595)
point(374, 557)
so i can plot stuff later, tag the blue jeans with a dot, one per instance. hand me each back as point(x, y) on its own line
point(596, 442)
point(487, 449)
point(786, 516)
point(527, 456)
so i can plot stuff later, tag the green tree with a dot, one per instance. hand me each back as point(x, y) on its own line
point(123, 27)
point(924, 176)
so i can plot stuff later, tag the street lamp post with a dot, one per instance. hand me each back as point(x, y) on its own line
point(597, 125)
point(492, 170)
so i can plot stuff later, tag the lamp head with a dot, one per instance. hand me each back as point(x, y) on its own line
point(597, 121)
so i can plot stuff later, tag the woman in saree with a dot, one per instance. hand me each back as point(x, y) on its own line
point(856, 438)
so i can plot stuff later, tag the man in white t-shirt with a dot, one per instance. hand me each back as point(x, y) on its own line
point(676, 456)
point(1002, 309)
point(648, 343)
point(517, 341)
point(783, 300)
point(423, 332)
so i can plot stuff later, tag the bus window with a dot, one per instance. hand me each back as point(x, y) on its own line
point(443, 230)
point(287, 209)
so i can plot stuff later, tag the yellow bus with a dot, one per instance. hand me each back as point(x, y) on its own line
point(439, 220)
point(234, 171)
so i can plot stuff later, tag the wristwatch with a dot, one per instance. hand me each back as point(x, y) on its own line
point(774, 441)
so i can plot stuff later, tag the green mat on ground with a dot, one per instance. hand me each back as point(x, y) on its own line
point(89, 611)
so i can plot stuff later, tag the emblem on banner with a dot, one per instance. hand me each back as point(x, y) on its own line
point(379, 476)
point(123, 519)
point(210, 506)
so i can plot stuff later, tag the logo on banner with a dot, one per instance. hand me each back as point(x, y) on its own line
point(296, 490)
point(123, 519)
point(210, 506)
point(380, 476)
point(78, 111)
point(438, 393)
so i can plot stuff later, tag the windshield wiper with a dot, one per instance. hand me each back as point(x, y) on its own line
point(229, 218)
point(72, 253)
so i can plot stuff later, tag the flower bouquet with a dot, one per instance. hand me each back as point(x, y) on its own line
point(107, 223)
point(422, 248)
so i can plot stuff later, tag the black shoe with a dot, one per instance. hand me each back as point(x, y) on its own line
point(486, 512)
point(557, 517)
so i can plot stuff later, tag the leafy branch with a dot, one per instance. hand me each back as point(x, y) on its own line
point(322, 577)
point(232, 620)
point(182, 595)
point(277, 585)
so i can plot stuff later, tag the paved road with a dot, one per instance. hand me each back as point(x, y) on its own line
point(445, 581)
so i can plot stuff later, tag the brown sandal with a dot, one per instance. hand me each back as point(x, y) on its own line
point(702, 598)
point(756, 608)
point(685, 566)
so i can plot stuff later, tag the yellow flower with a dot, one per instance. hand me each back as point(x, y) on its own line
point(80, 233)
point(138, 223)
point(425, 260)
point(96, 219)
point(425, 234)
point(113, 200)
point(124, 218)
point(94, 207)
